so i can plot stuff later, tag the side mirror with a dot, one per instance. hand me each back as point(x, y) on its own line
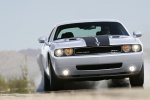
point(43, 40)
point(137, 34)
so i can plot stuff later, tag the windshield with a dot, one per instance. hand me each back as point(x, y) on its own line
point(89, 29)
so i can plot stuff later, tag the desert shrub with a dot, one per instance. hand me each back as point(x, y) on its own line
point(3, 84)
point(17, 85)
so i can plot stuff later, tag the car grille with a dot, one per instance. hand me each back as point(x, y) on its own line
point(101, 49)
point(99, 66)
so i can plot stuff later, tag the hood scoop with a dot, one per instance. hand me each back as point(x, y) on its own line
point(72, 39)
point(66, 40)
point(117, 36)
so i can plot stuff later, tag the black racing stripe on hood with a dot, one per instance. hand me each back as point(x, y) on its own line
point(90, 41)
point(104, 40)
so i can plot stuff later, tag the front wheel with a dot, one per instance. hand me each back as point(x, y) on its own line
point(138, 79)
point(55, 83)
point(46, 82)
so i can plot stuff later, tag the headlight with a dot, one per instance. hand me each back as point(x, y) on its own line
point(126, 48)
point(136, 47)
point(58, 52)
point(68, 51)
point(63, 52)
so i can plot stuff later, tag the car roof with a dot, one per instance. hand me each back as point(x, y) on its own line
point(86, 20)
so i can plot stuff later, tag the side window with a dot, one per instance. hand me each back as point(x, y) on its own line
point(50, 35)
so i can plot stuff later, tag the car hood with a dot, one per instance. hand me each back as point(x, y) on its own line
point(96, 41)
point(119, 40)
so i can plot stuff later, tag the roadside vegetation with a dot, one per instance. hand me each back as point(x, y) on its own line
point(17, 84)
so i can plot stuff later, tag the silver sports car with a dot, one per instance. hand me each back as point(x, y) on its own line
point(91, 50)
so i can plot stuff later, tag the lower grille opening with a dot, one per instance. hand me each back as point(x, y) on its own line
point(99, 66)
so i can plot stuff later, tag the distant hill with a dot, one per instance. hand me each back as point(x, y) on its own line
point(30, 52)
point(12, 61)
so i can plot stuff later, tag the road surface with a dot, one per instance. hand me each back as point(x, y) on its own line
point(111, 94)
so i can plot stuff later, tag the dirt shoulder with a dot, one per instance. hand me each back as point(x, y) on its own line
point(105, 94)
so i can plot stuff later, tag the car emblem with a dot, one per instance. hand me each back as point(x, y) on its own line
point(97, 43)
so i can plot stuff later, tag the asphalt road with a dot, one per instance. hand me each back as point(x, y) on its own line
point(111, 94)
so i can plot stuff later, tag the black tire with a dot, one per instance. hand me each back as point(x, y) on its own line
point(46, 83)
point(55, 83)
point(138, 79)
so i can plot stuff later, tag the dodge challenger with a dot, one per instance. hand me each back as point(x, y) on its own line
point(91, 50)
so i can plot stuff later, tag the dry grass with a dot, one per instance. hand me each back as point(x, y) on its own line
point(17, 84)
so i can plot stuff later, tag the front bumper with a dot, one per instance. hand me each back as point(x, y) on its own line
point(127, 59)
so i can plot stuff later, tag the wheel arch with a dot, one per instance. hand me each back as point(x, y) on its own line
point(49, 59)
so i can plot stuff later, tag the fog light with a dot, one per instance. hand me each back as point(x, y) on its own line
point(132, 68)
point(65, 72)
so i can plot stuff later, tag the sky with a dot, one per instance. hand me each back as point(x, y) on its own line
point(22, 22)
